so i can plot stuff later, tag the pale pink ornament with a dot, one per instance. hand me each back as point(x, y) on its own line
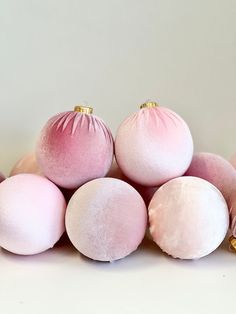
point(2, 177)
point(106, 219)
point(27, 164)
point(232, 211)
point(216, 170)
point(153, 145)
point(188, 218)
point(146, 192)
point(75, 147)
point(32, 214)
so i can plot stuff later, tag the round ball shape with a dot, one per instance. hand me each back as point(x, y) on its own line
point(106, 219)
point(74, 148)
point(2, 177)
point(188, 218)
point(32, 213)
point(153, 146)
point(216, 170)
point(232, 211)
point(27, 164)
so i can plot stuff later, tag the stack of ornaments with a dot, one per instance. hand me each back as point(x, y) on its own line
point(73, 182)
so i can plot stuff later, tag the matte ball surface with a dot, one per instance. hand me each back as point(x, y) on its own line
point(188, 218)
point(27, 164)
point(32, 214)
point(74, 148)
point(106, 219)
point(216, 170)
point(153, 146)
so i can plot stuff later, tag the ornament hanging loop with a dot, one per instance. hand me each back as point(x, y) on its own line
point(83, 109)
point(149, 104)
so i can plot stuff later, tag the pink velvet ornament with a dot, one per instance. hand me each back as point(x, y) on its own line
point(232, 211)
point(2, 177)
point(216, 170)
point(106, 219)
point(27, 164)
point(75, 147)
point(146, 192)
point(32, 214)
point(153, 145)
point(188, 218)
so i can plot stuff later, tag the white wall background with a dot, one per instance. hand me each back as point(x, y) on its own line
point(115, 55)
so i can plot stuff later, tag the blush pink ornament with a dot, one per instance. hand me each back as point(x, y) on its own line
point(216, 170)
point(2, 177)
point(188, 218)
point(32, 214)
point(75, 147)
point(27, 164)
point(153, 145)
point(106, 219)
point(146, 192)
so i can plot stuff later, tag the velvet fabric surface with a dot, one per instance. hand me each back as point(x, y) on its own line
point(106, 219)
point(188, 218)
point(32, 214)
point(27, 164)
point(216, 170)
point(74, 148)
point(153, 146)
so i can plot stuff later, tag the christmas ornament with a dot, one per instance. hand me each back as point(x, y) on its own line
point(232, 211)
point(188, 217)
point(27, 164)
point(106, 219)
point(216, 170)
point(32, 213)
point(75, 147)
point(153, 145)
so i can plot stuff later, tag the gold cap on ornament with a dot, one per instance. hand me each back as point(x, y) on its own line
point(83, 109)
point(232, 241)
point(149, 104)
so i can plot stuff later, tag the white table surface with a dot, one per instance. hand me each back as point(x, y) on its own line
point(148, 281)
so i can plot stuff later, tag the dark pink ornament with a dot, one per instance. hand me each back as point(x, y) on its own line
point(75, 147)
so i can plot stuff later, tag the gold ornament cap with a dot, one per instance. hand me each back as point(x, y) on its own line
point(149, 104)
point(83, 109)
point(232, 241)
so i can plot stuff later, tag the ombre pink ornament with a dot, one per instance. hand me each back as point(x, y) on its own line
point(2, 177)
point(32, 214)
point(216, 170)
point(153, 145)
point(188, 218)
point(75, 147)
point(27, 164)
point(106, 219)
point(146, 192)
